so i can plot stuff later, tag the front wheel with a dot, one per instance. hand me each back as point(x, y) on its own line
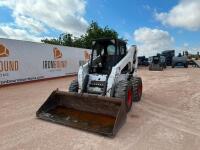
point(124, 90)
point(73, 86)
point(137, 89)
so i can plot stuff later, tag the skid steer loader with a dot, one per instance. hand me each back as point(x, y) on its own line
point(99, 99)
point(157, 63)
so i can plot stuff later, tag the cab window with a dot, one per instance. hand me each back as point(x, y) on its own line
point(111, 50)
point(122, 50)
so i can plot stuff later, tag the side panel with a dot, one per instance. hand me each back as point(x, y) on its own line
point(82, 72)
point(131, 57)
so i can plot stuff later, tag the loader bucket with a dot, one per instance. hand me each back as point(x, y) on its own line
point(103, 115)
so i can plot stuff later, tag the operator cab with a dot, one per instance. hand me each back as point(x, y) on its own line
point(157, 59)
point(106, 53)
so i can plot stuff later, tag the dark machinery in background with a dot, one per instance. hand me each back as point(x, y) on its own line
point(168, 58)
point(169, 54)
point(157, 63)
point(143, 61)
point(193, 59)
point(180, 60)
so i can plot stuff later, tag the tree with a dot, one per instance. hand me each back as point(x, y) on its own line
point(51, 41)
point(94, 31)
point(66, 39)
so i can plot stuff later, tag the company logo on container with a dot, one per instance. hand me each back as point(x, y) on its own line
point(57, 53)
point(57, 63)
point(4, 52)
point(7, 65)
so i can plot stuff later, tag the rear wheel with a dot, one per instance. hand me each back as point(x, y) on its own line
point(137, 89)
point(73, 86)
point(124, 90)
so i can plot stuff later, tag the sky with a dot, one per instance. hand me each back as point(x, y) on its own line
point(152, 25)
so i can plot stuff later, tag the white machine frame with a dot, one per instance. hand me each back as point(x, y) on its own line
point(115, 75)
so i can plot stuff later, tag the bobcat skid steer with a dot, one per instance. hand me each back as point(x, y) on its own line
point(99, 99)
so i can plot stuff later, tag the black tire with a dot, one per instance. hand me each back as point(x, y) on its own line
point(150, 67)
point(73, 86)
point(186, 65)
point(161, 68)
point(137, 88)
point(124, 90)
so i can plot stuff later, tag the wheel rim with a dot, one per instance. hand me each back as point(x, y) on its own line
point(140, 91)
point(130, 95)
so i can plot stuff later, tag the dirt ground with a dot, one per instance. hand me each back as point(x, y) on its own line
point(168, 116)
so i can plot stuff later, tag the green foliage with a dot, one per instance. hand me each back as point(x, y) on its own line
point(94, 31)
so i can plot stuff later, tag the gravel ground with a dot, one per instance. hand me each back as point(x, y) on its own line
point(168, 116)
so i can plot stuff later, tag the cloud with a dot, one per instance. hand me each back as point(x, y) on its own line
point(10, 32)
point(184, 15)
point(36, 16)
point(31, 24)
point(185, 44)
point(151, 41)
